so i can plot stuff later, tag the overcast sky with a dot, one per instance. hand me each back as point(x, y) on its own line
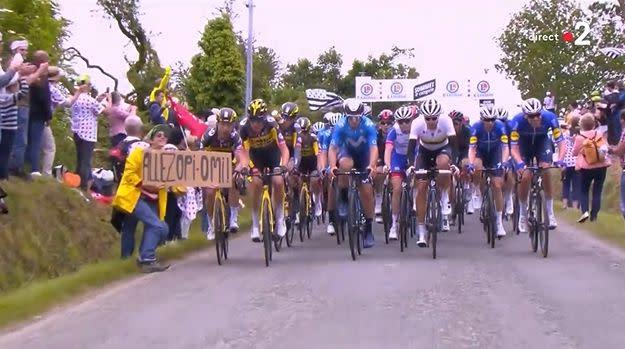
point(453, 39)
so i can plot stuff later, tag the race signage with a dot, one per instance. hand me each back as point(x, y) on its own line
point(483, 90)
point(485, 102)
point(452, 89)
point(424, 89)
point(187, 168)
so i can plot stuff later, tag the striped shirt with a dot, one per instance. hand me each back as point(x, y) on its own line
point(8, 106)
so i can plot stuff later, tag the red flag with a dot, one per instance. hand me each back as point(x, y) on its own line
point(187, 120)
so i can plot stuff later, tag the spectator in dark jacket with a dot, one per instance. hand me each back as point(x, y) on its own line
point(156, 111)
point(39, 112)
point(612, 113)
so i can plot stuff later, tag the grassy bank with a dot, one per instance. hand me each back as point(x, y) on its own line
point(57, 246)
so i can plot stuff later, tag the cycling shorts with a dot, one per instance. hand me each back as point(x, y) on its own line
point(269, 160)
point(399, 164)
point(426, 158)
point(360, 158)
point(541, 150)
point(491, 159)
point(308, 164)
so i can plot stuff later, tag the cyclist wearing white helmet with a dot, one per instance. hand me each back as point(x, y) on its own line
point(488, 149)
point(385, 122)
point(396, 160)
point(509, 177)
point(354, 146)
point(318, 127)
point(529, 138)
point(324, 137)
point(434, 133)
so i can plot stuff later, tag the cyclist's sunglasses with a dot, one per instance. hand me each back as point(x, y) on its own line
point(533, 116)
point(488, 120)
point(404, 121)
point(384, 123)
point(430, 118)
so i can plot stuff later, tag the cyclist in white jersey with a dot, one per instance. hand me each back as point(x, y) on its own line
point(435, 133)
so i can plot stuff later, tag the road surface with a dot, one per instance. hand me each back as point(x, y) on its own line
point(315, 296)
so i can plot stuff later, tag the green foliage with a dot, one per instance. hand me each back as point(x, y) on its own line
point(265, 72)
point(37, 21)
point(565, 69)
point(217, 74)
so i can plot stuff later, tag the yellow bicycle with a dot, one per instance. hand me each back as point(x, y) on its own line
point(267, 218)
point(220, 212)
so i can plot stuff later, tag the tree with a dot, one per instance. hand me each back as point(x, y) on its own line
point(329, 64)
point(302, 75)
point(146, 69)
point(37, 21)
point(565, 69)
point(217, 74)
point(266, 68)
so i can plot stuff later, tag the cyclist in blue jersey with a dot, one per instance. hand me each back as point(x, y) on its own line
point(325, 136)
point(385, 123)
point(530, 140)
point(396, 160)
point(488, 148)
point(354, 146)
point(508, 178)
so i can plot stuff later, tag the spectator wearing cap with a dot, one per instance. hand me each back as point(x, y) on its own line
point(7, 77)
point(39, 111)
point(19, 49)
point(143, 203)
point(84, 113)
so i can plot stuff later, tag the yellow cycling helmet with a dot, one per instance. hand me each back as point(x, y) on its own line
point(257, 109)
point(226, 115)
point(289, 110)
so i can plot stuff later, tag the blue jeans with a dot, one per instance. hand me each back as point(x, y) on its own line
point(154, 230)
point(35, 140)
point(84, 153)
point(6, 144)
point(594, 177)
point(571, 185)
point(21, 140)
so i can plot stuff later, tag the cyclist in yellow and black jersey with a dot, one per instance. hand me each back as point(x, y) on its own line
point(289, 113)
point(267, 149)
point(225, 138)
point(305, 158)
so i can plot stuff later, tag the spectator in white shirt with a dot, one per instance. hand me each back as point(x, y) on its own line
point(549, 102)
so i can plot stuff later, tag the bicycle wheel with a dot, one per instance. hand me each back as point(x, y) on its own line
point(491, 214)
point(459, 207)
point(218, 228)
point(290, 220)
point(352, 223)
point(543, 229)
point(267, 233)
point(432, 219)
point(516, 207)
point(535, 219)
point(404, 219)
point(386, 210)
point(303, 212)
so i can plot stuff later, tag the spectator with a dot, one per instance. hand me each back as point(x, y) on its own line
point(173, 217)
point(592, 167)
point(549, 102)
point(19, 50)
point(620, 151)
point(157, 109)
point(613, 123)
point(116, 116)
point(85, 112)
point(8, 121)
point(142, 203)
point(570, 176)
point(39, 111)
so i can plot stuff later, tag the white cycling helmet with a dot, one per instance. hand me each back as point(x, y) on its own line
point(327, 116)
point(531, 106)
point(403, 113)
point(318, 126)
point(502, 114)
point(367, 111)
point(353, 107)
point(430, 107)
point(334, 119)
point(488, 112)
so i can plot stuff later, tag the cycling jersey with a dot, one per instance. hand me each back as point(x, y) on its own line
point(461, 151)
point(489, 144)
point(324, 137)
point(211, 142)
point(289, 135)
point(535, 142)
point(381, 140)
point(355, 142)
point(309, 148)
point(399, 155)
point(264, 146)
point(432, 139)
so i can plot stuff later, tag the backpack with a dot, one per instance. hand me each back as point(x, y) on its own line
point(118, 155)
point(591, 148)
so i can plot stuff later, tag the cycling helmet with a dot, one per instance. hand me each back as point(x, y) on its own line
point(502, 114)
point(430, 107)
point(367, 111)
point(257, 109)
point(385, 115)
point(317, 126)
point(327, 116)
point(303, 123)
point(531, 106)
point(403, 113)
point(226, 115)
point(334, 119)
point(456, 116)
point(289, 110)
point(488, 112)
point(353, 107)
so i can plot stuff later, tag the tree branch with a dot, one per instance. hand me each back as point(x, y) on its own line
point(72, 52)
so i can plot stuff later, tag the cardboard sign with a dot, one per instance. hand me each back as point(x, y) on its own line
point(187, 168)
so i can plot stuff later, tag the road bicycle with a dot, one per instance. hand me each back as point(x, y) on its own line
point(537, 216)
point(355, 217)
point(387, 217)
point(433, 213)
point(488, 212)
point(407, 215)
point(461, 201)
point(221, 215)
point(266, 214)
point(306, 207)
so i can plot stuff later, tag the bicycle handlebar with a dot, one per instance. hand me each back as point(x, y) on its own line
point(351, 172)
point(435, 171)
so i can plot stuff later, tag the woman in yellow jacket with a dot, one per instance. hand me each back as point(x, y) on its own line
point(142, 203)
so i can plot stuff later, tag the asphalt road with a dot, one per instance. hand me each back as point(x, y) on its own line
point(315, 296)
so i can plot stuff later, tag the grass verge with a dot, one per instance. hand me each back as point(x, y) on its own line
point(608, 226)
point(40, 296)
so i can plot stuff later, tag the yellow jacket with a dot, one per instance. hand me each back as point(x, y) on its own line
point(162, 86)
point(129, 190)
